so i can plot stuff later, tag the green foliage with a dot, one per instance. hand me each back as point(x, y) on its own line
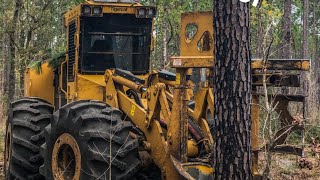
point(56, 60)
point(310, 132)
point(295, 138)
point(36, 65)
point(271, 14)
point(53, 62)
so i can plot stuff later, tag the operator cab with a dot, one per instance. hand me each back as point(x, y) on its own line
point(108, 34)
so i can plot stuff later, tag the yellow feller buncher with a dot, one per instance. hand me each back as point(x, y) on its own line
point(103, 113)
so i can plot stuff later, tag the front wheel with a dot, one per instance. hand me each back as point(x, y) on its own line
point(27, 119)
point(89, 140)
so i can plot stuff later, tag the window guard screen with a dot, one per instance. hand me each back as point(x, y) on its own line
point(115, 41)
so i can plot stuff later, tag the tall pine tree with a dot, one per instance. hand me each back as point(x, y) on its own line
point(232, 90)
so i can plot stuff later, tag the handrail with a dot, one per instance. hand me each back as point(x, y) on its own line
point(61, 85)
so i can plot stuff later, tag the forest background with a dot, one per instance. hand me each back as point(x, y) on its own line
point(32, 31)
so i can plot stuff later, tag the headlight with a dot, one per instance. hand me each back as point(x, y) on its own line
point(146, 12)
point(150, 13)
point(141, 12)
point(97, 11)
point(86, 10)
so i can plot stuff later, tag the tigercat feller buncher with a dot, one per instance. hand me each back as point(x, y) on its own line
point(116, 118)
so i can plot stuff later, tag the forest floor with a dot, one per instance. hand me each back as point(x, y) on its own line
point(284, 167)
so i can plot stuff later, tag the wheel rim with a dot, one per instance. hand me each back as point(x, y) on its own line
point(8, 149)
point(66, 158)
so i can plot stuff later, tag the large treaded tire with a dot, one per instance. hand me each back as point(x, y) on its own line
point(93, 125)
point(27, 118)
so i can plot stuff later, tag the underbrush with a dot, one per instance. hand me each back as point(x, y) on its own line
point(286, 167)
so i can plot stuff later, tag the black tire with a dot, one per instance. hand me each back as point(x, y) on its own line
point(90, 123)
point(152, 172)
point(27, 118)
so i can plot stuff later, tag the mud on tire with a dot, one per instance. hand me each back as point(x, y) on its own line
point(89, 127)
point(27, 119)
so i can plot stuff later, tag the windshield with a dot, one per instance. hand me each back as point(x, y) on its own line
point(115, 41)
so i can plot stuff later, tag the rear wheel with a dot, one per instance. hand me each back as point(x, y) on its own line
point(89, 140)
point(27, 119)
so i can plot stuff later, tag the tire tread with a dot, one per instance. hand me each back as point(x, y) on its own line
point(28, 118)
point(94, 126)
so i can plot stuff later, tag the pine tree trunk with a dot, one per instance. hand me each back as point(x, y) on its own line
point(286, 47)
point(308, 87)
point(3, 52)
point(21, 62)
point(6, 71)
point(165, 43)
point(26, 60)
point(232, 90)
point(259, 43)
point(316, 53)
point(22, 69)
point(305, 28)
point(10, 90)
point(286, 44)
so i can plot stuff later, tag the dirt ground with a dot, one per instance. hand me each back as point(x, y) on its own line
point(284, 167)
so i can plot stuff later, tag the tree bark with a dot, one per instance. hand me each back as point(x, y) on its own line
point(232, 90)
point(21, 62)
point(10, 90)
point(287, 37)
point(165, 44)
point(260, 37)
point(316, 51)
point(26, 60)
point(308, 86)
point(305, 28)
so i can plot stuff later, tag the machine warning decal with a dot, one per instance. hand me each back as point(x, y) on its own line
point(177, 62)
point(133, 110)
